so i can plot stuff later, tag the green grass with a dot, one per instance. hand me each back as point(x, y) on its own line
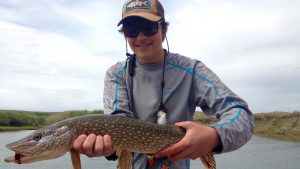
point(280, 125)
point(201, 118)
point(13, 120)
point(13, 128)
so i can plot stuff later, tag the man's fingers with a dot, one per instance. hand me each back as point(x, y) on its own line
point(88, 145)
point(99, 146)
point(180, 155)
point(176, 148)
point(184, 124)
point(77, 145)
point(108, 147)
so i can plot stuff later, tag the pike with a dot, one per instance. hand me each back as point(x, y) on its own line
point(127, 134)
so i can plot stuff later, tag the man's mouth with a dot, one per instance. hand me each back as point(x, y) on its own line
point(143, 45)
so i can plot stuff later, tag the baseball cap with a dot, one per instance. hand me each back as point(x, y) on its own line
point(151, 10)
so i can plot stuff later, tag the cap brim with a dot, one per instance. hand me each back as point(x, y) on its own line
point(150, 17)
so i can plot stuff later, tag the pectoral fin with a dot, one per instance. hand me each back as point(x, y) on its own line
point(75, 157)
point(209, 161)
point(125, 159)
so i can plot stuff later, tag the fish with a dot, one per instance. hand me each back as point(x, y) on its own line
point(127, 134)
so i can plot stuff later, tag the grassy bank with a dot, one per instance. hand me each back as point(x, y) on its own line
point(13, 120)
point(13, 128)
point(281, 125)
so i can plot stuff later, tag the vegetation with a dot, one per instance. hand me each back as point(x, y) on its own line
point(281, 125)
point(11, 120)
point(201, 118)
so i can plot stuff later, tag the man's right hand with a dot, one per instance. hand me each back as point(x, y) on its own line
point(94, 146)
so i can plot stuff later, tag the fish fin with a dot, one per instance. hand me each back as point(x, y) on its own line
point(125, 159)
point(75, 157)
point(209, 161)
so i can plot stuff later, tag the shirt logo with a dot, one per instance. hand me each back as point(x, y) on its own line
point(137, 4)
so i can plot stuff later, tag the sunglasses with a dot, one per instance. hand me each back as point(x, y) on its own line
point(132, 30)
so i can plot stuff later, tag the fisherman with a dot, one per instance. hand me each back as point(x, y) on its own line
point(153, 81)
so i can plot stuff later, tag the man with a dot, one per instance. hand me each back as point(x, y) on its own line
point(154, 81)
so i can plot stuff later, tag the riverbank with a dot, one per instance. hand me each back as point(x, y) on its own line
point(14, 120)
point(280, 125)
point(12, 128)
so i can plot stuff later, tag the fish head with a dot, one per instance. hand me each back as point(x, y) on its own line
point(46, 143)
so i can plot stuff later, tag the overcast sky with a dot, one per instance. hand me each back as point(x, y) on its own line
point(54, 53)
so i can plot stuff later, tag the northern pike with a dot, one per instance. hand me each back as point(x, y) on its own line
point(127, 135)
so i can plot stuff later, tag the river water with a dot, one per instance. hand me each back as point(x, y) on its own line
point(259, 153)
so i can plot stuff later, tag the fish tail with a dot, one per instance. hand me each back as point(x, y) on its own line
point(209, 161)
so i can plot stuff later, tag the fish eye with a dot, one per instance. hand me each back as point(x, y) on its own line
point(37, 137)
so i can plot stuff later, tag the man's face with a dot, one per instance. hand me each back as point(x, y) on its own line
point(145, 39)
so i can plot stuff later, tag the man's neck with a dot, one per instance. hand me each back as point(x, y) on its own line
point(157, 58)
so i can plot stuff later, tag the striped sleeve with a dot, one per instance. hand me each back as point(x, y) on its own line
point(235, 125)
point(115, 96)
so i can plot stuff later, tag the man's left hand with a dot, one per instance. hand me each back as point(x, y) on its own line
point(198, 141)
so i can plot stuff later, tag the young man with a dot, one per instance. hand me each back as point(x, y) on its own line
point(154, 80)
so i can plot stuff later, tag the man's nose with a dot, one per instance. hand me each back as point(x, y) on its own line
point(141, 36)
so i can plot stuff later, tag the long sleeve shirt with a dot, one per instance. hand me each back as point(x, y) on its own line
point(188, 84)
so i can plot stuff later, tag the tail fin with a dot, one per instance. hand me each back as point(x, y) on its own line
point(209, 161)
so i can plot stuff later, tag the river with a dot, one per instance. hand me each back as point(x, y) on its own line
point(259, 153)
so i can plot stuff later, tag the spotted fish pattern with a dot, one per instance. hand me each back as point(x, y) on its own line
point(127, 134)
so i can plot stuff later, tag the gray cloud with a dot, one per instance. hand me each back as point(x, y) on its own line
point(53, 55)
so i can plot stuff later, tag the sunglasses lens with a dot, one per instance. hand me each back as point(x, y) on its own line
point(133, 30)
point(150, 29)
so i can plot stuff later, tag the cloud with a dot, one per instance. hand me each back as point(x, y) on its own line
point(40, 66)
point(253, 47)
point(53, 55)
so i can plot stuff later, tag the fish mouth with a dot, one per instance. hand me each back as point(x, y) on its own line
point(17, 158)
point(25, 157)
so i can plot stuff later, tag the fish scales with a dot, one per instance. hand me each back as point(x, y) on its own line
point(143, 134)
point(126, 133)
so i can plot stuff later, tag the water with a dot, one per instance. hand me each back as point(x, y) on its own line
point(259, 153)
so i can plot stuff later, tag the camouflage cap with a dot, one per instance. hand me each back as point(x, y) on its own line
point(149, 9)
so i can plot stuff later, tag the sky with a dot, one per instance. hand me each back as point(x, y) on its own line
point(54, 54)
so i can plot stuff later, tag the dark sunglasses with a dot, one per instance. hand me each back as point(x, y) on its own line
point(133, 30)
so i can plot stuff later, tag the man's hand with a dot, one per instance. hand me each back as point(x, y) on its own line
point(93, 145)
point(198, 141)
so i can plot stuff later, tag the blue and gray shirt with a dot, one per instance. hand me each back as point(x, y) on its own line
point(188, 84)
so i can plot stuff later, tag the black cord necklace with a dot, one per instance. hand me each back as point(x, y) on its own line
point(162, 106)
point(161, 114)
point(131, 61)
